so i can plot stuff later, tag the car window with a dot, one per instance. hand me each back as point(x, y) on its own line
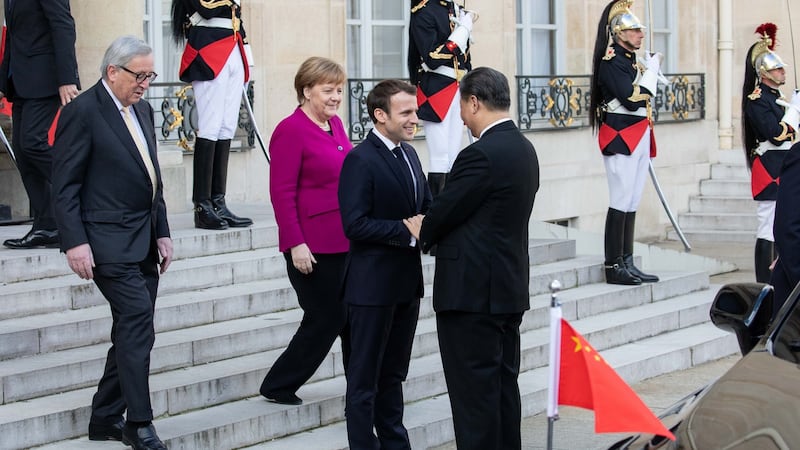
point(786, 339)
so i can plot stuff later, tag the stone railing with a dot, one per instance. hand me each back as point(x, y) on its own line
point(176, 116)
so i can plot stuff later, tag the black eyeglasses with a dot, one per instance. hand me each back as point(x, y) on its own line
point(141, 76)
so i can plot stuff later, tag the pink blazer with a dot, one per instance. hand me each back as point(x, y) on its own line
point(303, 183)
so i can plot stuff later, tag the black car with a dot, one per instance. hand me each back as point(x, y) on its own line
point(756, 403)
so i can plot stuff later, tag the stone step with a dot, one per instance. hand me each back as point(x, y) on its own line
point(719, 221)
point(47, 332)
point(723, 171)
point(64, 292)
point(324, 399)
point(188, 243)
point(731, 157)
point(429, 421)
point(722, 188)
point(714, 204)
point(46, 373)
point(708, 235)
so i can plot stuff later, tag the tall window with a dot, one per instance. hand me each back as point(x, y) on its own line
point(157, 33)
point(377, 38)
point(538, 35)
point(663, 35)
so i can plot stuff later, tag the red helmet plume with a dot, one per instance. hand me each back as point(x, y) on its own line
point(769, 30)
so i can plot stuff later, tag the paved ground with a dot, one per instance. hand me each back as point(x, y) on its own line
point(575, 429)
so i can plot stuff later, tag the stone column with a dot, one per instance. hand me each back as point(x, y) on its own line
point(725, 71)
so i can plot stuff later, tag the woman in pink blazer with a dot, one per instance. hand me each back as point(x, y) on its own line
point(307, 150)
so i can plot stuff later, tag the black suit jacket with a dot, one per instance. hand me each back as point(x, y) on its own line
point(102, 192)
point(479, 224)
point(40, 49)
point(786, 228)
point(381, 267)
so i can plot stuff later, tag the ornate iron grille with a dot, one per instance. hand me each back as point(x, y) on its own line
point(562, 102)
point(176, 116)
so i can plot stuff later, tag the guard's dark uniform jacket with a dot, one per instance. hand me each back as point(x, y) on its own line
point(774, 136)
point(444, 62)
point(624, 116)
point(215, 27)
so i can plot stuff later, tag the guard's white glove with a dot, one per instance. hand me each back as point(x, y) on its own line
point(792, 115)
point(460, 36)
point(795, 103)
point(465, 20)
point(653, 62)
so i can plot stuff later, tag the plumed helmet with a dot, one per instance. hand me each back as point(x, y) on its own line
point(762, 57)
point(620, 17)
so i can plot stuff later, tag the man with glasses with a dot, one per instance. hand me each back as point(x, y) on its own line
point(113, 223)
point(39, 74)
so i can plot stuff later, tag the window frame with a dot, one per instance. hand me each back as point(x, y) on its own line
point(366, 24)
point(525, 28)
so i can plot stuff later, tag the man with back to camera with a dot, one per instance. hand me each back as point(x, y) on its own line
point(113, 221)
point(381, 184)
point(39, 74)
point(479, 224)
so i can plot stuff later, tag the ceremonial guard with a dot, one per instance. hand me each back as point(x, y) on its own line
point(215, 61)
point(438, 56)
point(621, 115)
point(767, 133)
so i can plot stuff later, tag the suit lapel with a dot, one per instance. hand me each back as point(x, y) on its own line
point(113, 117)
point(391, 162)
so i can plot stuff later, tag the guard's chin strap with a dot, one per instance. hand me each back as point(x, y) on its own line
point(767, 75)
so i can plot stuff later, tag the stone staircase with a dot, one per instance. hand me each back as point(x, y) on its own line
point(226, 310)
point(724, 210)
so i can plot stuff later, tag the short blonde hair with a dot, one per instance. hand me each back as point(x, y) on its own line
point(317, 70)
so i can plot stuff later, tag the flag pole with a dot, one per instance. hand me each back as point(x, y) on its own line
point(555, 361)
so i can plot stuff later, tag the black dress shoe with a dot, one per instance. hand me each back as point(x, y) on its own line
point(142, 438)
point(282, 398)
point(34, 239)
point(106, 432)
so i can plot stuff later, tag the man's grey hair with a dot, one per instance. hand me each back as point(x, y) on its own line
point(489, 86)
point(122, 51)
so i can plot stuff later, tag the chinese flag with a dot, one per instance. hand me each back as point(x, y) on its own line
point(587, 381)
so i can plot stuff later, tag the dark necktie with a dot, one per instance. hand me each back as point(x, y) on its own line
point(398, 153)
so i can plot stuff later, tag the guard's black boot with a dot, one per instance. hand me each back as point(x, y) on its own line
point(616, 273)
point(204, 215)
point(764, 256)
point(219, 180)
point(436, 182)
point(627, 250)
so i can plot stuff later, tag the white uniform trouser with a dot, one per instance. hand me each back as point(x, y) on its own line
point(218, 100)
point(626, 175)
point(766, 217)
point(444, 138)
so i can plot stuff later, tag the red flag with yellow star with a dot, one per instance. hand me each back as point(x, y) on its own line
point(587, 381)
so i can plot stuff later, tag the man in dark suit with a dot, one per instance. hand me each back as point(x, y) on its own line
point(381, 184)
point(39, 73)
point(786, 273)
point(479, 224)
point(113, 223)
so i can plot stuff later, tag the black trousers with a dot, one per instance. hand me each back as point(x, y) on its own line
point(381, 339)
point(131, 291)
point(480, 356)
point(32, 119)
point(324, 318)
